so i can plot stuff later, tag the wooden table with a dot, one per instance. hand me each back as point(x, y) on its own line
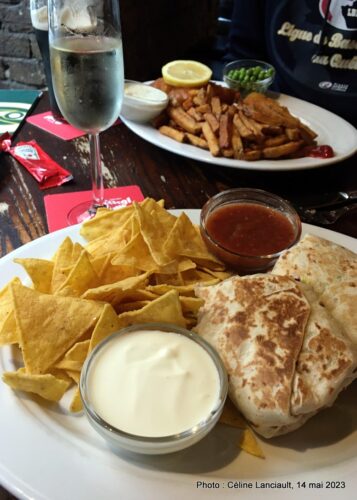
point(128, 159)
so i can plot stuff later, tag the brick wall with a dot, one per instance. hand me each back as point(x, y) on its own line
point(154, 32)
point(20, 60)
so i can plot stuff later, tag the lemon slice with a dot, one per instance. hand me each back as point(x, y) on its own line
point(186, 73)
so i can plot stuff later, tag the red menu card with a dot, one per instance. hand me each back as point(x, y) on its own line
point(57, 206)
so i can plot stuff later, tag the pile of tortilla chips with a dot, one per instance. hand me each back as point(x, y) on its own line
point(140, 265)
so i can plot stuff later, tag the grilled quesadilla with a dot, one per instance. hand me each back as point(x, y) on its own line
point(257, 325)
point(327, 362)
point(285, 355)
point(331, 270)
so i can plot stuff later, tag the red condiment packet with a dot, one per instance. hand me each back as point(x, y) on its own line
point(40, 165)
point(3, 138)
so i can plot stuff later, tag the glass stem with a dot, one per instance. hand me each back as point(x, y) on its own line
point(96, 170)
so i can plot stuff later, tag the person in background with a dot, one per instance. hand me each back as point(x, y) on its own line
point(311, 43)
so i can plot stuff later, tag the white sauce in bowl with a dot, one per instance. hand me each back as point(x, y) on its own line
point(153, 383)
point(144, 92)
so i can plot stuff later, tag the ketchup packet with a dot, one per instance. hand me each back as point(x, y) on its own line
point(3, 138)
point(41, 166)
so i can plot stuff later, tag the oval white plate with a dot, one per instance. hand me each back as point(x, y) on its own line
point(331, 130)
point(47, 453)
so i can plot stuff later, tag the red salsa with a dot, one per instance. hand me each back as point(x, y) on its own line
point(250, 229)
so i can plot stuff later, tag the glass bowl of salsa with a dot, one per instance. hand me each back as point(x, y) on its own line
point(248, 229)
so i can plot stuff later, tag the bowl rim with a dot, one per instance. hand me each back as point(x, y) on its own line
point(205, 212)
point(160, 440)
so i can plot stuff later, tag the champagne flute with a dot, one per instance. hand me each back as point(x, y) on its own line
point(88, 78)
point(39, 19)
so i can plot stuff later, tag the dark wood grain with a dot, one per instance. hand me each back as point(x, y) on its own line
point(181, 182)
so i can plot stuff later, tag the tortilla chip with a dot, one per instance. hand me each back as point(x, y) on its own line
point(75, 375)
point(81, 277)
point(61, 262)
point(186, 241)
point(191, 304)
point(77, 249)
point(40, 272)
point(185, 265)
point(54, 325)
point(9, 333)
point(109, 273)
point(195, 276)
point(105, 222)
point(75, 356)
point(76, 404)
point(107, 324)
point(136, 254)
point(132, 306)
point(250, 444)
point(231, 416)
point(221, 275)
point(166, 309)
point(61, 374)
point(110, 242)
point(187, 290)
point(155, 224)
point(115, 292)
point(47, 386)
point(190, 322)
point(8, 327)
point(99, 263)
point(168, 279)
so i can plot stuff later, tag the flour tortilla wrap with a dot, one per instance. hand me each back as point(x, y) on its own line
point(285, 355)
point(257, 324)
point(331, 270)
point(327, 362)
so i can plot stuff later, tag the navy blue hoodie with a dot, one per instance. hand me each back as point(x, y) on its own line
point(311, 43)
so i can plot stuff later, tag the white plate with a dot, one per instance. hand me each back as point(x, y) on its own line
point(46, 453)
point(331, 130)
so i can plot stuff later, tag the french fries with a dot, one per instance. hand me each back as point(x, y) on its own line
point(216, 119)
point(211, 139)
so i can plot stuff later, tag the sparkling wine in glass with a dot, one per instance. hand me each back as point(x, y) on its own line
point(88, 78)
point(39, 19)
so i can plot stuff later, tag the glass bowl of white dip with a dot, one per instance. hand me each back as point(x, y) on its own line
point(153, 388)
point(142, 102)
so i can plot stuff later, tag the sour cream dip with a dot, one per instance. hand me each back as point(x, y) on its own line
point(144, 92)
point(142, 102)
point(153, 383)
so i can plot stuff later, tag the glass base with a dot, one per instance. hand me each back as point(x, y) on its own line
point(80, 213)
point(86, 210)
